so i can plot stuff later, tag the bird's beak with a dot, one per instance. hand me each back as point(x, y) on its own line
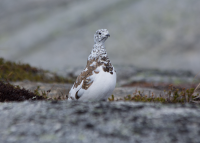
point(108, 35)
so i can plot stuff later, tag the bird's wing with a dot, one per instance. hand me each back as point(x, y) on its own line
point(84, 80)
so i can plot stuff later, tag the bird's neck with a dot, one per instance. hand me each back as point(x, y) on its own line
point(98, 51)
point(99, 44)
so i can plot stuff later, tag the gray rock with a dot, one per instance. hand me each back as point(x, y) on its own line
point(99, 122)
point(61, 90)
point(58, 35)
point(55, 89)
point(130, 74)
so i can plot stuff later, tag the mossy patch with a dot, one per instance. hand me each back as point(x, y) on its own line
point(10, 93)
point(13, 71)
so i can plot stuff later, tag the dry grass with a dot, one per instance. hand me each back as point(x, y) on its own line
point(172, 95)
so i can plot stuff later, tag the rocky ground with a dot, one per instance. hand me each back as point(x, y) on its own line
point(119, 121)
point(130, 79)
point(106, 122)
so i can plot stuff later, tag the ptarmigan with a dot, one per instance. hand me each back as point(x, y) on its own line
point(97, 81)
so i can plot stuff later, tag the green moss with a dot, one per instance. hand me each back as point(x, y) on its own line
point(13, 71)
point(112, 98)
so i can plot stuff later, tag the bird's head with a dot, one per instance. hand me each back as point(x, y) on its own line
point(100, 36)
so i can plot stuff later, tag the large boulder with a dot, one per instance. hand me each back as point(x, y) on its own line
point(58, 34)
point(100, 122)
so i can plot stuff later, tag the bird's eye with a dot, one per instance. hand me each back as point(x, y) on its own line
point(99, 33)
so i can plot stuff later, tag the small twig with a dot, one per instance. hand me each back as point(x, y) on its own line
point(197, 87)
point(195, 90)
point(196, 74)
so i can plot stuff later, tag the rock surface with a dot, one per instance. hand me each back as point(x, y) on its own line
point(145, 81)
point(58, 34)
point(61, 90)
point(100, 122)
point(130, 74)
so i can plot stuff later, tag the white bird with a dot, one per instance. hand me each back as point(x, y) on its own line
point(97, 81)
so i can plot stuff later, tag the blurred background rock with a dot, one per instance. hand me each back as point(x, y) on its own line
point(58, 34)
